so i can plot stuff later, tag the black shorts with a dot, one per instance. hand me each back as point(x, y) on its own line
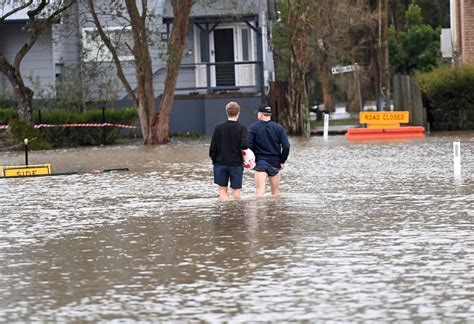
point(224, 173)
point(269, 166)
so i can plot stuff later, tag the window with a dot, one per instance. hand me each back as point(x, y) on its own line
point(95, 50)
point(204, 57)
point(245, 45)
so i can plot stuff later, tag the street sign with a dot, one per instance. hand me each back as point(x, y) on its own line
point(344, 69)
point(384, 119)
point(26, 170)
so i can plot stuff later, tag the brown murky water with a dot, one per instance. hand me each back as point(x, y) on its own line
point(363, 232)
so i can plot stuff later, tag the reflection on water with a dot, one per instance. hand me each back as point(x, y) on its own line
point(363, 232)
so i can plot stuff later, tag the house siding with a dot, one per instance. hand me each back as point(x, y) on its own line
point(191, 112)
point(219, 7)
point(66, 44)
point(37, 65)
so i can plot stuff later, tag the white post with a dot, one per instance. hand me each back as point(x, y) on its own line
point(326, 126)
point(457, 158)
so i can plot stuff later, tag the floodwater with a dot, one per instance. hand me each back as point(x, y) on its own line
point(362, 232)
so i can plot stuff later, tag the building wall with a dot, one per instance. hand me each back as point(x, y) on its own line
point(37, 65)
point(462, 25)
point(467, 27)
point(201, 112)
point(66, 40)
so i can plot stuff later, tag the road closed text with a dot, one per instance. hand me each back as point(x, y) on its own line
point(383, 117)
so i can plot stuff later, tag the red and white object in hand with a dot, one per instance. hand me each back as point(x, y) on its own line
point(249, 159)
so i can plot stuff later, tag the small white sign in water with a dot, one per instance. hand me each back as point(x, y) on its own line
point(326, 127)
point(457, 158)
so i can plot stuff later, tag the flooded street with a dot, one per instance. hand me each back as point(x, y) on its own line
point(362, 232)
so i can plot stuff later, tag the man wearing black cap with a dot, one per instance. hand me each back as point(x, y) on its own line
point(269, 142)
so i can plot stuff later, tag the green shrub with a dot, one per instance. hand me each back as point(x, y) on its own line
point(72, 136)
point(450, 97)
point(7, 114)
point(83, 136)
point(36, 140)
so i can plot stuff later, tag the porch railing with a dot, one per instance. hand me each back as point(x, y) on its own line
point(225, 76)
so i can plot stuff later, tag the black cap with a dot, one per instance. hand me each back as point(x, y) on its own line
point(265, 109)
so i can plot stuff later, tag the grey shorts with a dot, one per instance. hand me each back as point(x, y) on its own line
point(270, 167)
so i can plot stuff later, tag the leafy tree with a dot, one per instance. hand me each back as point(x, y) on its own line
point(435, 12)
point(416, 48)
point(312, 36)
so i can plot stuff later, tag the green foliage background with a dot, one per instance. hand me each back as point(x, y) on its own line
point(68, 136)
point(449, 97)
point(417, 48)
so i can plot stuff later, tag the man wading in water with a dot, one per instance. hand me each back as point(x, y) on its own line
point(269, 141)
point(228, 140)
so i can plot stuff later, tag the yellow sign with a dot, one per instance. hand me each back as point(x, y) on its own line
point(384, 119)
point(26, 170)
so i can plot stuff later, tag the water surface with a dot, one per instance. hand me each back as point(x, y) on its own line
point(362, 232)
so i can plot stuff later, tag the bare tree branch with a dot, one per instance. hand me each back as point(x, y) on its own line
point(14, 11)
point(107, 41)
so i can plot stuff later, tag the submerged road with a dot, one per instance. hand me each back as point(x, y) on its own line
point(363, 232)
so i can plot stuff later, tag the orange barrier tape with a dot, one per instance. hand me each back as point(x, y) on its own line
point(85, 125)
point(76, 125)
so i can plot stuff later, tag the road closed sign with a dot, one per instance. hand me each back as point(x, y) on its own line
point(384, 118)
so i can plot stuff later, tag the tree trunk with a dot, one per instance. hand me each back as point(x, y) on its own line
point(25, 103)
point(23, 94)
point(298, 105)
point(326, 84)
point(181, 11)
point(146, 94)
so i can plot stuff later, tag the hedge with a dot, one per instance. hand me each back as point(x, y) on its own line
point(449, 94)
point(71, 136)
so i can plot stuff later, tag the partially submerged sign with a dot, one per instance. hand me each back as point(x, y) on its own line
point(384, 119)
point(26, 170)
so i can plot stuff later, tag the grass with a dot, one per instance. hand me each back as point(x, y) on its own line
point(336, 122)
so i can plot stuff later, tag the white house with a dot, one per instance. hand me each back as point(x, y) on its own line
point(227, 56)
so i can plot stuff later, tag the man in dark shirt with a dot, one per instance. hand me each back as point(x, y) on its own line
point(228, 140)
point(269, 142)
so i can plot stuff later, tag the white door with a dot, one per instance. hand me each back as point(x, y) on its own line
point(245, 72)
point(199, 54)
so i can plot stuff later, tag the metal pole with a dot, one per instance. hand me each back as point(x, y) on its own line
point(104, 136)
point(358, 86)
point(26, 151)
point(260, 67)
point(384, 56)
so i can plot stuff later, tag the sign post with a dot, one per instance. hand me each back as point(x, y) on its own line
point(351, 68)
point(26, 151)
point(326, 127)
point(457, 159)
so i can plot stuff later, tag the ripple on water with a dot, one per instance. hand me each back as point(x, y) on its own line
point(362, 232)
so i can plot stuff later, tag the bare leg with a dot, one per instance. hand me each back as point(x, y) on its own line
point(260, 179)
point(275, 184)
point(222, 193)
point(236, 193)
